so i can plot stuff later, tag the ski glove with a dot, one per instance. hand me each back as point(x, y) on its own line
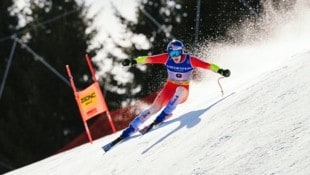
point(128, 62)
point(224, 72)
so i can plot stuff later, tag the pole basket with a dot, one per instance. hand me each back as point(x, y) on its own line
point(90, 101)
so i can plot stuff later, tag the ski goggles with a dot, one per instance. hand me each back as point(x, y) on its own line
point(175, 53)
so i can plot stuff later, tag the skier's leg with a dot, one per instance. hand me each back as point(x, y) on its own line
point(179, 96)
point(138, 120)
point(160, 100)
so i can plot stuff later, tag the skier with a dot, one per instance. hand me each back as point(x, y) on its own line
point(180, 66)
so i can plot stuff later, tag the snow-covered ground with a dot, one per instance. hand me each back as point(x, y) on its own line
point(260, 126)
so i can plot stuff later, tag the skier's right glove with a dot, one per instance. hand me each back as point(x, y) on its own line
point(129, 62)
point(224, 72)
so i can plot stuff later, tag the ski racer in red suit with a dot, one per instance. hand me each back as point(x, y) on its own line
point(180, 66)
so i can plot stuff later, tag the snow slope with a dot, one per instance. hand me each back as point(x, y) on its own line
point(260, 126)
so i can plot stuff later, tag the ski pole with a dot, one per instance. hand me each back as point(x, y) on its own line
point(219, 83)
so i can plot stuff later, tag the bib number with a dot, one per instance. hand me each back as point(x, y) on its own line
point(178, 75)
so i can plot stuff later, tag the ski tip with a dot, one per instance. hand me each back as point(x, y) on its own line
point(107, 147)
point(145, 130)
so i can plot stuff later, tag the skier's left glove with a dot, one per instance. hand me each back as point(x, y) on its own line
point(224, 72)
point(129, 62)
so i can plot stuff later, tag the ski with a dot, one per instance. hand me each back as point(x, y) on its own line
point(146, 129)
point(156, 123)
point(108, 146)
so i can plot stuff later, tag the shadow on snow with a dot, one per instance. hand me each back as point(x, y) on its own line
point(187, 120)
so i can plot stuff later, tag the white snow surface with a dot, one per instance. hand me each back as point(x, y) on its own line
point(260, 126)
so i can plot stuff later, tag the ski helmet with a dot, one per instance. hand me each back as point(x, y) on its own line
point(175, 48)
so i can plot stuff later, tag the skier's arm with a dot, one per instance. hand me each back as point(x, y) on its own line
point(210, 66)
point(153, 59)
point(198, 63)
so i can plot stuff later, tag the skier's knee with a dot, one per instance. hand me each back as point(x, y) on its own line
point(174, 101)
point(181, 91)
point(154, 108)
